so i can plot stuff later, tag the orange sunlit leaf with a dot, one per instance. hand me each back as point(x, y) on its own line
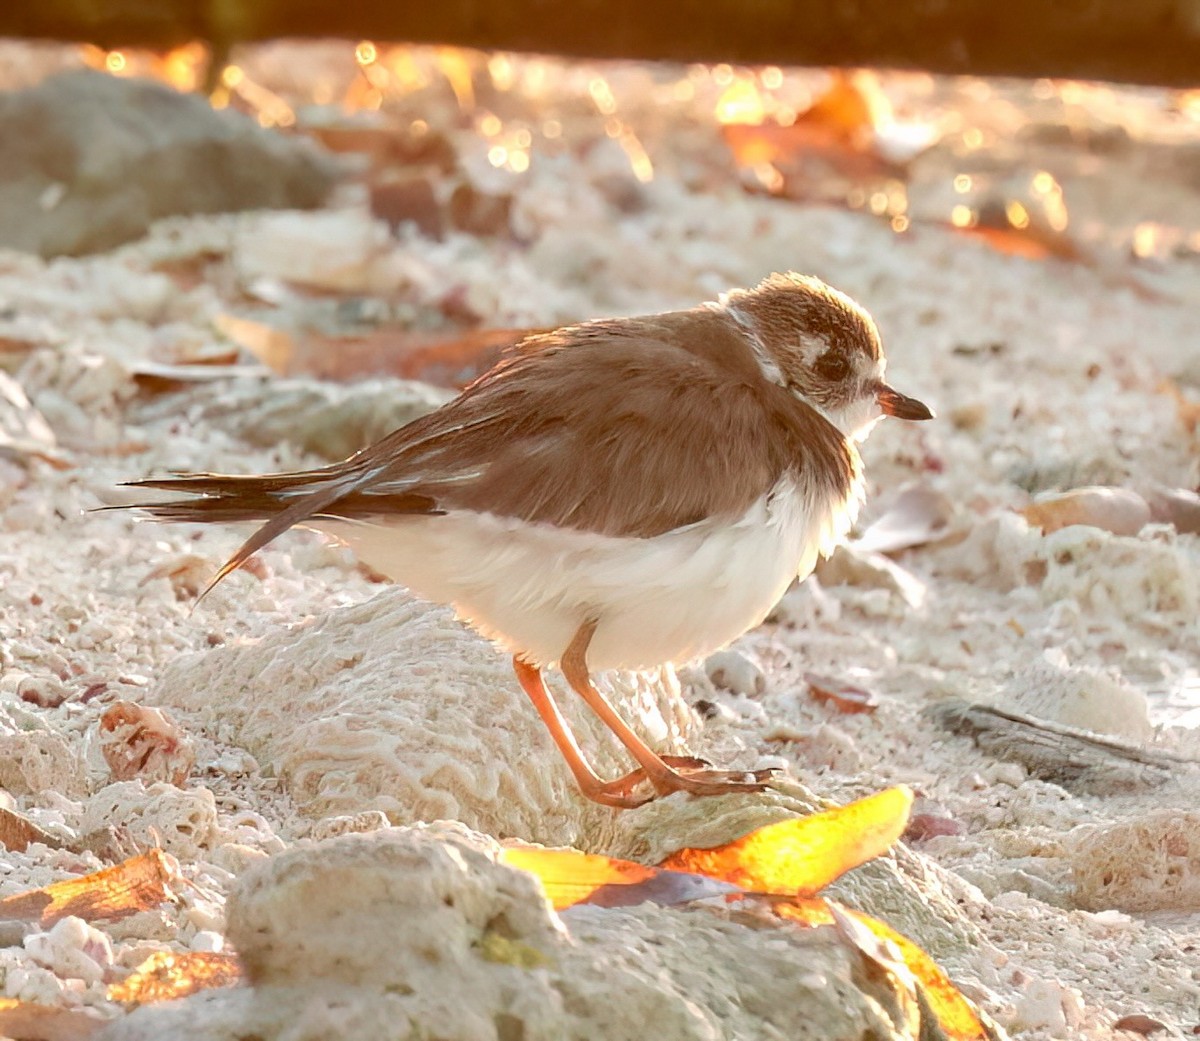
point(27, 1021)
point(166, 975)
point(853, 105)
point(458, 66)
point(570, 877)
point(1009, 241)
point(133, 885)
point(272, 346)
point(1033, 241)
point(954, 1013)
point(741, 102)
point(18, 831)
point(801, 855)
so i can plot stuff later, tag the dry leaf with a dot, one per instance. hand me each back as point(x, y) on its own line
point(166, 975)
point(1138, 1023)
point(275, 348)
point(133, 885)
point(917, 516)
point(188, 573)
point(801, 855)
point(792, 859)
point(154, 377)
point(571, 877)
point(1186, 409)
point(445, 361)
point(26, 1021)
point(1023, 243)
point(17, 832)
point(844, 697)
point(137, 741)
point(849, 133)
point(953, 1012)
point(454, 361)
point(24, 432)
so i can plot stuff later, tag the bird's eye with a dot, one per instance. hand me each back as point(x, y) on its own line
point(833, 365)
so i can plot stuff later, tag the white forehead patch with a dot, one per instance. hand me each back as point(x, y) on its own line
point(811, 348)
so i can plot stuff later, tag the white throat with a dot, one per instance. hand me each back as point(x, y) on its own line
point(856, 420)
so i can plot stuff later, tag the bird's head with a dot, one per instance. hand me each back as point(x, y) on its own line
point(824, 348)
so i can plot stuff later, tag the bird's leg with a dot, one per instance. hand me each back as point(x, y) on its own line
point(661, 774)
point(611, 793)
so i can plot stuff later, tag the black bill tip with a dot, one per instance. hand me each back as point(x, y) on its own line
point(900, 405)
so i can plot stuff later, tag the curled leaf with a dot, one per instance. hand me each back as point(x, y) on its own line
point(953, 1012)
point(798, 857)
point(18, 831)
point(570, 877)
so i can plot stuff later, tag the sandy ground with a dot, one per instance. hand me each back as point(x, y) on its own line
point(1083, 894)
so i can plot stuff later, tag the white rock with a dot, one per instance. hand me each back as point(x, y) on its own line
point(72, 949)
point(359, 936)
point(208, 940)
point(1150, 862)
point(181, 821)
point(392, 705)
point(1078, 696)
point(1049, 1006)
point(39, 759)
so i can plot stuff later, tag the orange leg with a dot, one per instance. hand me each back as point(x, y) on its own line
point(611, 793)
point(608, 793)
point(662, 775)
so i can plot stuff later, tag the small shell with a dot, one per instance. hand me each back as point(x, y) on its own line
point(1117, 510)
point(842, 696)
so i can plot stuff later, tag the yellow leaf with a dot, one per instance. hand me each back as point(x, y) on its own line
point(800, 856)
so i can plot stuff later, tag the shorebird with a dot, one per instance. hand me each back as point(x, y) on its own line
point(616, 494)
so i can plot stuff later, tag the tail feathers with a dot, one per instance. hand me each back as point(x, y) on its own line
point(230, 484)
point(280, 500)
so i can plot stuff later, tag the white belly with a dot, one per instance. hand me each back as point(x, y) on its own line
point(670, 598)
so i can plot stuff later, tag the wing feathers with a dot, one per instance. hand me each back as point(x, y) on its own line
point(628, 434)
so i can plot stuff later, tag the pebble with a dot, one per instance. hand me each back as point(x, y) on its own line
point(208, 940)
point(1177, 507)
point(1050, 1006)
point(72, 949)
point(733, 671)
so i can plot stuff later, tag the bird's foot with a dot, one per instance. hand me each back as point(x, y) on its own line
point(712, 782)
point(618, 792)
point(682, 773)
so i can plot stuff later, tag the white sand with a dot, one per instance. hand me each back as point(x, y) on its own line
point(1045, 374)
